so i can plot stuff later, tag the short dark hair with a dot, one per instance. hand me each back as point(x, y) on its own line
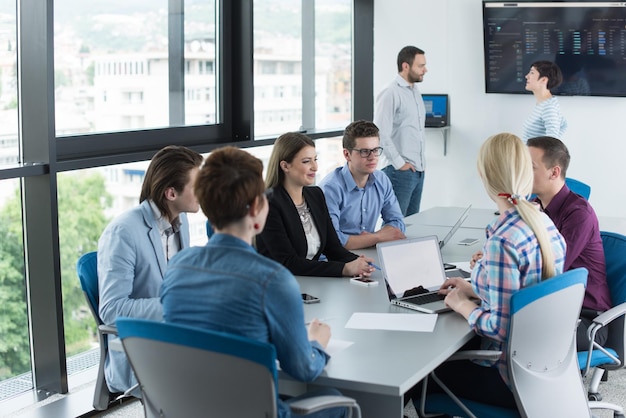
point(550, 70)
point(554, 152)
point(358, 129)
point(227, 185)
point(170, 167)
point(407, 54)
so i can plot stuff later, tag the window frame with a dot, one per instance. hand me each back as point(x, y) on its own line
point(43, 155)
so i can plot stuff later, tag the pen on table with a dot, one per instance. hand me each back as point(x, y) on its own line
point(374, 265)
point(321, 320)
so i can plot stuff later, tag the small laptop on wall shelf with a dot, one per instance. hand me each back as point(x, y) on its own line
point(437, 110)
point(408, 264)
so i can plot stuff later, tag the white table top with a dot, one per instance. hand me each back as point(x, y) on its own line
point(383, 362)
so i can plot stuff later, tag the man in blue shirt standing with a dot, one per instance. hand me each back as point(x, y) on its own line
point(357, 194)
point(400, 115)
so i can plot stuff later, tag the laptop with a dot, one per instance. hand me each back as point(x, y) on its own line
point(437, 110)
point(455, 228)
point(408, 264)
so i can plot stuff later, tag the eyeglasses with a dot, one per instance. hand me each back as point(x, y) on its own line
point(365, 153)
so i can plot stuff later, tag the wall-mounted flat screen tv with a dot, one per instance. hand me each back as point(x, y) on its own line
point(586, 39)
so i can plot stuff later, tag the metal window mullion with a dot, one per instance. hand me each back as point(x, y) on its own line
point(363, 60)
point(308, 65)
point(39, 196)
point(176, 61)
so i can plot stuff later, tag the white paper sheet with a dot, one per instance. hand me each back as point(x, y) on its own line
point(335, 346)
point(414, 322)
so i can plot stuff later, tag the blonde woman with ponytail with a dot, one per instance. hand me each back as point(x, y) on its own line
point(523, 247)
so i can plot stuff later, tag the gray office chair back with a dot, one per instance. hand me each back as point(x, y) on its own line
point(180, 376)
point(185, 371)
point(542, 352)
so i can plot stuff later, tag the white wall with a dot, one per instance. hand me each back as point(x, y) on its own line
point(450, 32)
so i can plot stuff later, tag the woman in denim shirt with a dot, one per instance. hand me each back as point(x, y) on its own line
point(227, 286)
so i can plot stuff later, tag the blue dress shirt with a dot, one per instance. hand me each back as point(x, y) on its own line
point(354, 210)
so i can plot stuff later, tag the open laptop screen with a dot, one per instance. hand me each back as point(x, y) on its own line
point(437, 110)
point(410, 263)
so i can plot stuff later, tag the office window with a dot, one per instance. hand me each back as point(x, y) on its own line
point(15, 369)
point(306, 62)
point(9, 150)
point(88, 200)
point(83, 204)
point(118, 67)
point(103, 52)
point(333, 58)
point(200, 40)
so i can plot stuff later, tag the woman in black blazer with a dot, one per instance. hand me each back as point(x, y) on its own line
point(298, 229)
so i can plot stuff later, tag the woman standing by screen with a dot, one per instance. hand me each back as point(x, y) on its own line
point(546, 118)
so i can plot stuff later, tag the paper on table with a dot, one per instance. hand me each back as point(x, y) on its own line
point(393, 321)
point(334, 346)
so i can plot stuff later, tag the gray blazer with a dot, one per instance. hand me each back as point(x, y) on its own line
point(131, 266)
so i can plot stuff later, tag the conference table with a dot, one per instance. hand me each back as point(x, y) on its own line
point(380, 366)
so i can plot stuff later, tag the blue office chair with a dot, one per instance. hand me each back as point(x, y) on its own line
point(578, 187)
point(87, 270)
point(185, 371)
point(541, 355)
point(610, 356)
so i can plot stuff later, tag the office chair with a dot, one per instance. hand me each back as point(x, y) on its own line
point(209, 229)
point(578, 187)
point(610, 356)
point(541, 355)
point(87, 269)
point(186, 371)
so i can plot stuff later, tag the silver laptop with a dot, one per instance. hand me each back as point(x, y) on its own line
point(455, 228)
point(408, 264)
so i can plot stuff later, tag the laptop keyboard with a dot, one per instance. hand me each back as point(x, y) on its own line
point(424, 298)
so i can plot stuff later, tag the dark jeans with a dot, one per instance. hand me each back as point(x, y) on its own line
point(407, 186)
point(586, 318)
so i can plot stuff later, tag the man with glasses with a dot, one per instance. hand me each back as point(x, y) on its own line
point(358, 194)
point(401, 116)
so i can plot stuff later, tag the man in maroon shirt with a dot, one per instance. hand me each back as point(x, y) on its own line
point(576, 220)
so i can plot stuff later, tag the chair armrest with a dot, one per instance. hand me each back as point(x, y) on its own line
point(475, 355)
point(108, 329)
point(317, 403)
point(608, 316)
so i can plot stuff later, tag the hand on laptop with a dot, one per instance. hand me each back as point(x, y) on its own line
point(459, 293)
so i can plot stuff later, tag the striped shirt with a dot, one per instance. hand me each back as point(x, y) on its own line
point(545, 120)
point(511, 260)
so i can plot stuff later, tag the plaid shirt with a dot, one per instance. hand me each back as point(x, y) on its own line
point(511, 260)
